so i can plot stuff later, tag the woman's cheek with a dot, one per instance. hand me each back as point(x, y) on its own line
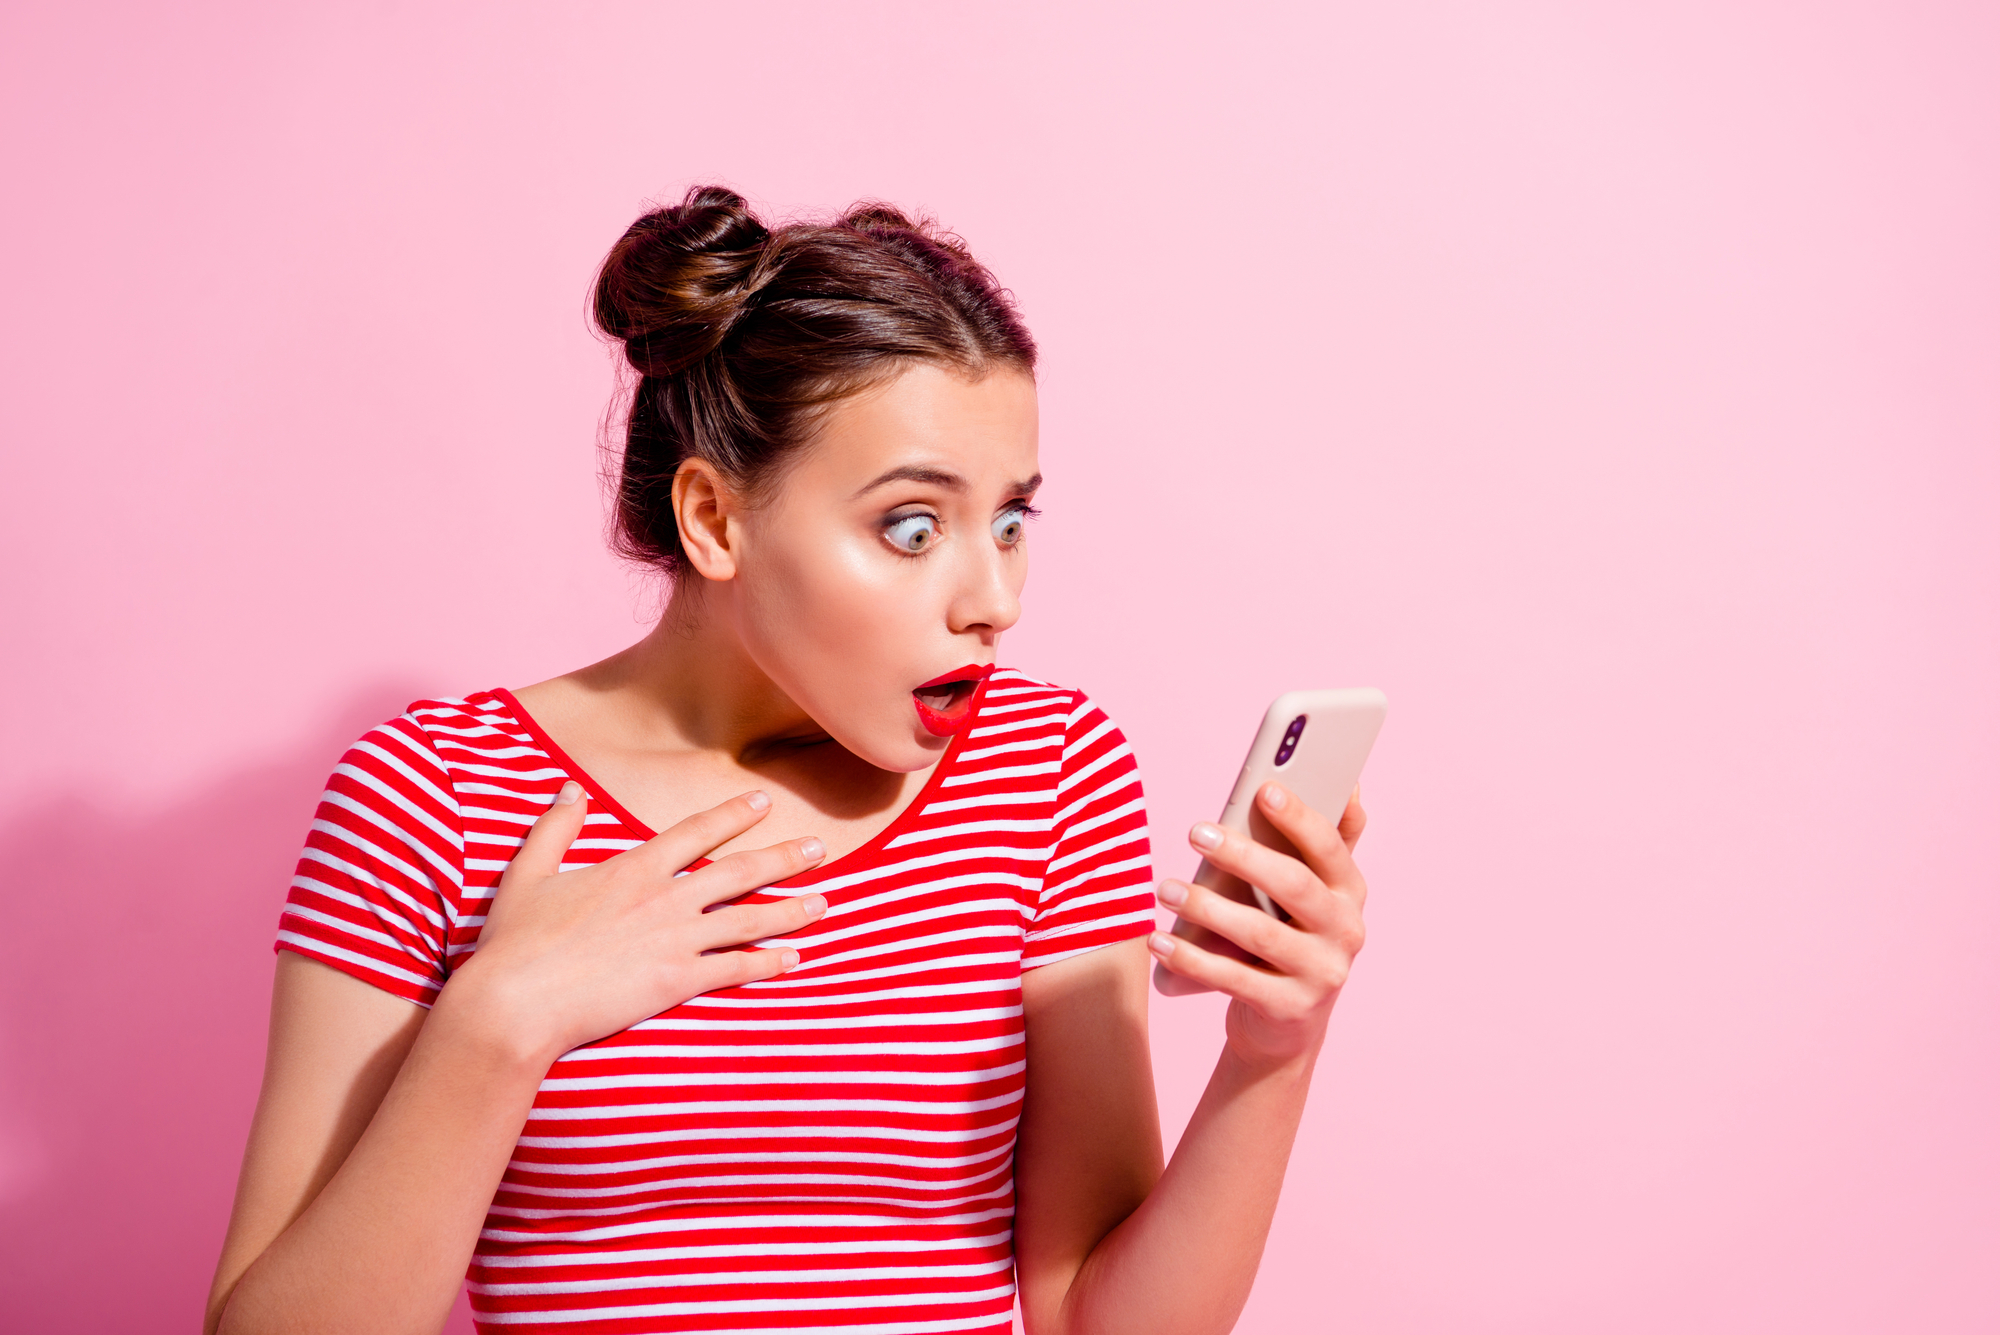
point(886, 637)
point(841, 633)
point(851, 603)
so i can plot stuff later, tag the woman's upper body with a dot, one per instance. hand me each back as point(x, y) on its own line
point(767, 959)
point(836, 1140)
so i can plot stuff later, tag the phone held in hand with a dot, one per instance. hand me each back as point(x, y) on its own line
point(1313, 742)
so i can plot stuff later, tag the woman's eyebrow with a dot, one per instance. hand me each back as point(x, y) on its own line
point(937, 477)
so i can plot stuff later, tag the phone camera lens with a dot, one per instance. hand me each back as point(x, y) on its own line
point(1291, 739)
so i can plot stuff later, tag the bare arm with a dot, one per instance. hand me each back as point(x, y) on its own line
point(382, 1133)
point(374, 1231)
point(335, 1046)
point(1088, 1151)
point(1106, 1241)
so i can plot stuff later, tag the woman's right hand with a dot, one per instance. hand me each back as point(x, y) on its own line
point(566, 957)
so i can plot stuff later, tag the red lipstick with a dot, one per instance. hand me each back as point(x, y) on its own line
point(944, 703)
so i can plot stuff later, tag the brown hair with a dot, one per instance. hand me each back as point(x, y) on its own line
point(743, 335)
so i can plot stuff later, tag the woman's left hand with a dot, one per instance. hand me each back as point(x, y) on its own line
point(1277, 1013)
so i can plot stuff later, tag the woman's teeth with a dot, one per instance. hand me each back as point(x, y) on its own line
point(939, 697)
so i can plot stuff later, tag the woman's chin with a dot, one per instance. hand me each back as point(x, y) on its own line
point(902, 749)
point(922, 750)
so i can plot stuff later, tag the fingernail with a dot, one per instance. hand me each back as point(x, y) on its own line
point(1160, 944)
point(1205, 836)
point(1172, 893)
point(570, 792)
point(814, 904)
point(758, 801)
point(812, 850)
point(1274, 796)
point(789, 960)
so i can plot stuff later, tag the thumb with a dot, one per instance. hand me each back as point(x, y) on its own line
point(551, 835)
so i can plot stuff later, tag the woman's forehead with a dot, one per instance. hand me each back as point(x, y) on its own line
point(931, 426)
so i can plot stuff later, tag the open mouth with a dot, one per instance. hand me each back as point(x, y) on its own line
point(945, 703)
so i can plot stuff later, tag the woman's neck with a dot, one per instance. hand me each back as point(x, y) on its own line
point(692, 677)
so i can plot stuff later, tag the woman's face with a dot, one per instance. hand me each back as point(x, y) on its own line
point(873, 586)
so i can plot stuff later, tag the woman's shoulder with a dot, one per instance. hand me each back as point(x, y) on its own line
point(1019, 708)
point(483, 727)
point(475, 715)
point(1015, 685)
point(1011, 690)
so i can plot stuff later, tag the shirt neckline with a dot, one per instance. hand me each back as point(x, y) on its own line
point(812, 875)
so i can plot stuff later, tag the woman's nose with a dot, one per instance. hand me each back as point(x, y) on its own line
point(990, 597)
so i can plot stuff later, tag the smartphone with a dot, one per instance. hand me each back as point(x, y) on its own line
point(1313, 742)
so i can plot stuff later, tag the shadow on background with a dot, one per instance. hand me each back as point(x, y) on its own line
point(135, 976)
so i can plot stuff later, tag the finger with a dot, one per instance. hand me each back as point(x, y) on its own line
point(1286, 879)
point(1245, 926)
point(1255, 987)
point(752, 869)
point(1318, 839)
point(733, 968)
point(1353, 820)
point(551, 835)
point(1320, 958)
point(699, 835)
point(1170, 984)
point(743, 923)
point(1188, 930)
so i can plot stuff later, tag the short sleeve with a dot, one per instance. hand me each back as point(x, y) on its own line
point(376, 890)
point(1097, 889)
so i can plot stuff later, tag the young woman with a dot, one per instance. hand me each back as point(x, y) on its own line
point(787, 969)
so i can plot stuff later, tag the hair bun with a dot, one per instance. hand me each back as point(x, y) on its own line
point(919, 240)
point(679, 278)
point(873, 216)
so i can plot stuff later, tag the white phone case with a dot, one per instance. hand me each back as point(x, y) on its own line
point(1313, 742)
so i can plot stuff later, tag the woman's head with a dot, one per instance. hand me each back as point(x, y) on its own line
point(834, 434)
point(744, 336)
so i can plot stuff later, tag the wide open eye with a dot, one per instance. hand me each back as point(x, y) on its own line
point(1008, 527)
point(912, 533)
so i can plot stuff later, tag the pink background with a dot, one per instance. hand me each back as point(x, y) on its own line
point(1613, 384)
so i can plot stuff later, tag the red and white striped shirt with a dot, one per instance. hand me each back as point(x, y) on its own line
point(828, 1150)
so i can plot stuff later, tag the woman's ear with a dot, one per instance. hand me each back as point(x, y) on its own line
point(704, 508)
